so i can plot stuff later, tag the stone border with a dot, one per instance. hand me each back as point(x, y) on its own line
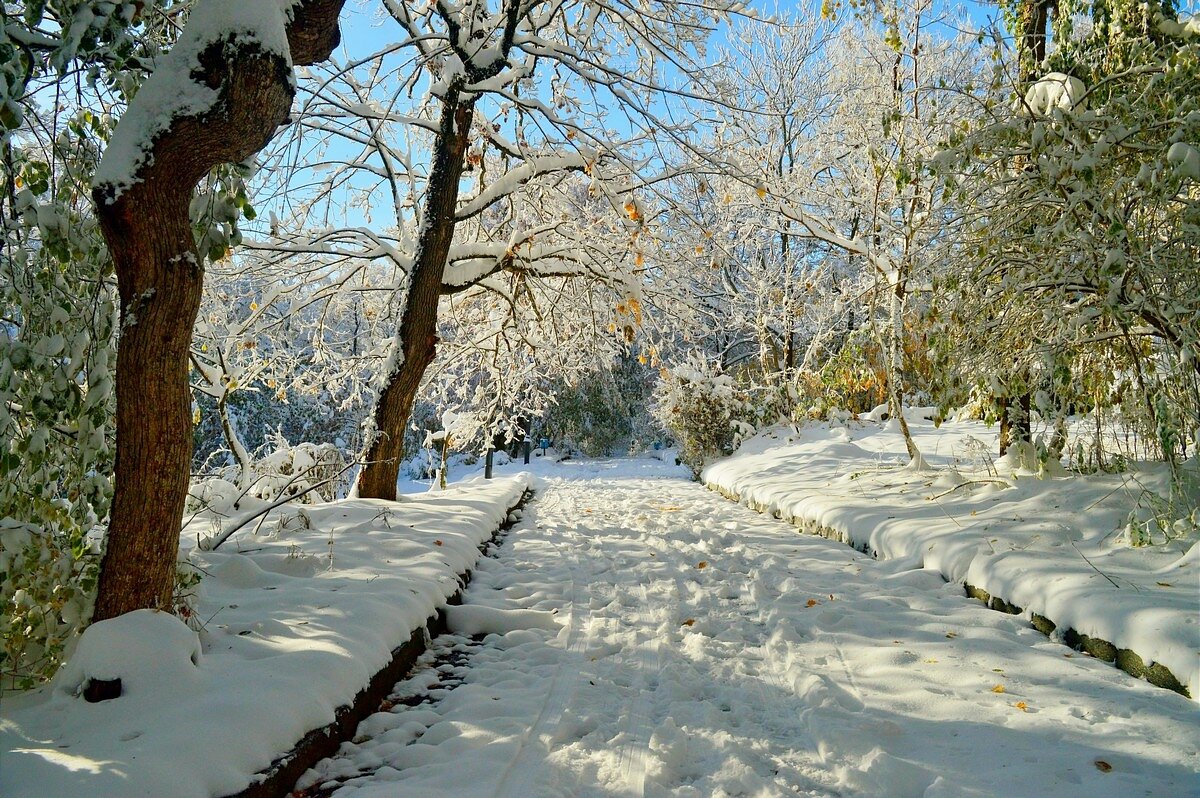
point(279, 779)
point(1125, 659)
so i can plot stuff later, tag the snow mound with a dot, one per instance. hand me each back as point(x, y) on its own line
point(1055, 91)
point(148, 650)
point(477, 620)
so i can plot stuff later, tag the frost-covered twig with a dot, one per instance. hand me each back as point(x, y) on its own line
point(261, 513)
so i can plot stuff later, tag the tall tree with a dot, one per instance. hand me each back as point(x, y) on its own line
point(526, 80)
point(64, 67)
point(217, 97)
point(1078, 274)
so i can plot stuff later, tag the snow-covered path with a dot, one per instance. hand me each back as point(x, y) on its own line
point(648, 637)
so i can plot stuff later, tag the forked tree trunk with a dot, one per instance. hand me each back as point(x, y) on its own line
point(160, 279)
point(416, 339)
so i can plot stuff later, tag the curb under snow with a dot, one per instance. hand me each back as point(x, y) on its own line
point(305, 627)
point(1126, 659)
point(279, 780)
point(829, 482)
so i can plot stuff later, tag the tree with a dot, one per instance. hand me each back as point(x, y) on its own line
point(1083, 258)
point(489, 71)
point(216, 98)
point(830, 181)
point(63, 68)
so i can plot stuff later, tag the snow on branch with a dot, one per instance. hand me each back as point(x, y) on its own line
point(183, 86)
point(514, 178)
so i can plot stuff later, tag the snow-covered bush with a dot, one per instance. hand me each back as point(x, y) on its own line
point(57, 313)
point(308, 471)
point(1077, 277)
point(600, 414)
point(703, 409)
point(293, 470)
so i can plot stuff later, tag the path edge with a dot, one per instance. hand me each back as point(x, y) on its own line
point(279, 779)
point(1124, 659)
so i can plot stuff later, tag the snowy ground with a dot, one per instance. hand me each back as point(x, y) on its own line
point(644, 636)
point(1054, 545)
point(295, 620)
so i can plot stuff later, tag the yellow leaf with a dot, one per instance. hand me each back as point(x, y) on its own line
point(761, 192)
point(998, 688)
point(640, 259)
point(1021, 705)
point(810, 603)
point(254, 306)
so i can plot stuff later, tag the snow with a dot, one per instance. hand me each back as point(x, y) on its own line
point(1055, 91)
point(1051, 546)
point(703, 649)
point(1186, 160)
point(294, 621)
point(171, 92)
point(149, 651)
point(638, 634)
point(496, 620)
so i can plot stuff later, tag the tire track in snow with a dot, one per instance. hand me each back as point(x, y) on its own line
point(635, 752)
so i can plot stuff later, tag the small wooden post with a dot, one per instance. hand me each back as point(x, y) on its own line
point(487, 463)
point(528, 444)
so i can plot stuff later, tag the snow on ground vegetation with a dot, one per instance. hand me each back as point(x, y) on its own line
point(1059, 546)
point(294, 622)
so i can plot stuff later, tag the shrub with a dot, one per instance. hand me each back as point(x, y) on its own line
point(704, 410)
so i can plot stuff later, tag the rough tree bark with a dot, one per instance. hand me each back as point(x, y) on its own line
point(416, 340)
point(160, 279)
point(1033, 17)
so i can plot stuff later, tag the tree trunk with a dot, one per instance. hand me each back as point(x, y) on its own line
point(416, 339)
point(1015, 421)
point(895, 373)
point(233, 440)
point(1033, 17)
point(160, 279)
